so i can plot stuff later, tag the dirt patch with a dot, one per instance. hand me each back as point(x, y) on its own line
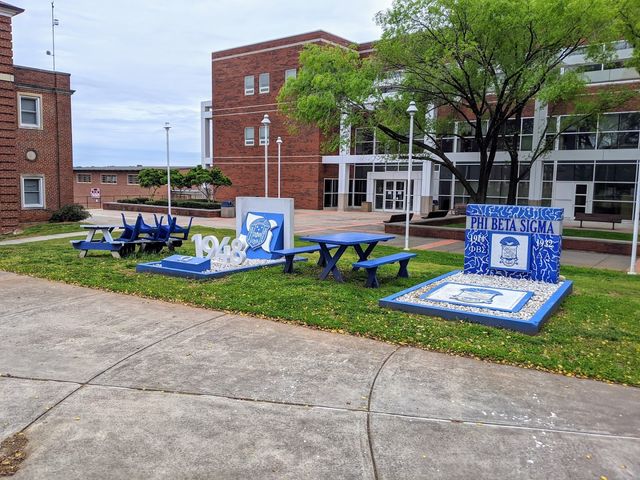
point(12, 453)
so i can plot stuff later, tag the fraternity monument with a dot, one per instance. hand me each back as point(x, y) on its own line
point(511, 275)
point(263, 225)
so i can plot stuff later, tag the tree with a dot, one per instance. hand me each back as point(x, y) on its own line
point(178, 180)
point(629, 14)
point(207, 181)
point(152, 178)
point(478, 63)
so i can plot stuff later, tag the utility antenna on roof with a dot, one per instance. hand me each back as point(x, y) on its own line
point(54, 24)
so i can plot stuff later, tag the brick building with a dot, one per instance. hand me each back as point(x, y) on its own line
point(93, 186)
point(592, 168)
point(35, 136)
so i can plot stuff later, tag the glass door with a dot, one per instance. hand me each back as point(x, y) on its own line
point(390, 195)
point(580, 198)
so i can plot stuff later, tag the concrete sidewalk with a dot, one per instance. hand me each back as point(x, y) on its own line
point(113, 386)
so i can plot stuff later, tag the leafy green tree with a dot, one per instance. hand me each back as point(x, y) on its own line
point(480, 63)
point(178, 180)
point(207, 181)
point(152, 178)
point(629, 14)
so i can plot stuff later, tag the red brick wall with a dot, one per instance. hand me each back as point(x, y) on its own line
point(9, 193)
point(52, 141)
point(110, 192)
point(302, 169)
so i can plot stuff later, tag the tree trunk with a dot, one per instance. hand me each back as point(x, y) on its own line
point(513, 183)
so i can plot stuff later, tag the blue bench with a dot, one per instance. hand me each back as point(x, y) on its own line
point(290, 253)
point(371, 266)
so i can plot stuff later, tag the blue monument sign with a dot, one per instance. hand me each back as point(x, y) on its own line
point(514, 241)
point(263, 233)
point(511, 274)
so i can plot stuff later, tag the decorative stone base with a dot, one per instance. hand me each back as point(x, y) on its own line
point(219, 270)
point(533, 302)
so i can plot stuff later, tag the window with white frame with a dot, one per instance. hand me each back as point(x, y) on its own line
point(290, 73)
point(30, 116)
point(249, 85)
point(132, 179)
point(33, 192)
point(249, 137)
point(263, 83)
point(83, 178)
point(108, 178)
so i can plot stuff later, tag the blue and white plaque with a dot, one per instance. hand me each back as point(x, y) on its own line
point(502, 299)
point(262, 233)
point(514, 241)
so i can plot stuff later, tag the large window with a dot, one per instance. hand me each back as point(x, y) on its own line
point(107, 178)
point(33, 192)
point(577, 134)
point(619, 130)
point(330, 192)
point(30, 115)
point(263, 83)
point(365, 141)
point(83, 178)
point(613, 189)
point(249, 137)
point(608, 131)
point(525, 129)
point(249, 85)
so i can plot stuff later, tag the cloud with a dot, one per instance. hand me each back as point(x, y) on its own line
point(138, 64)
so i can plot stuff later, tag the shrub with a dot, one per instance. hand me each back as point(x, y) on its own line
point(136, 200)
point(70, 213)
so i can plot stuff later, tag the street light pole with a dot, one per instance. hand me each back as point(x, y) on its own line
point(636, 220)
point(407, 195)
point(265, 123)
point(167, 126)
point(279, 142)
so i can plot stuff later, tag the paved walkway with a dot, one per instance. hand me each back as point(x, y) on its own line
point(107, 386)
point(42, 238)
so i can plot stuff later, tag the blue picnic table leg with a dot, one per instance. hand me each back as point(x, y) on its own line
point(372, 278)
point(403, 272)
point(363, 254)
point(331, 262)
point(288, 264)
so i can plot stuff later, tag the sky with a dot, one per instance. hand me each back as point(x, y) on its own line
point(137, 64)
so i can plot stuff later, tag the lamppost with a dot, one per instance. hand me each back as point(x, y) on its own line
point(167, 126)
point(279, 142)
point(407, 191)
point(265, 123)
point(636, 220)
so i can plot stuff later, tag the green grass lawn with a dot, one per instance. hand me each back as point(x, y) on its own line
point(44, 229)
point(595, 334)
point(577, 232)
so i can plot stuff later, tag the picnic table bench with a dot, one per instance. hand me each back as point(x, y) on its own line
point(371, 266)
point(289, 255)
point(398, 217)
point(436, 214)
point(599, 217)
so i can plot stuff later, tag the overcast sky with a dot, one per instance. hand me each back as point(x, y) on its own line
point(137, 64)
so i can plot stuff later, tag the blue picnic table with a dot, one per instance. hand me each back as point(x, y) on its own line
point(345, 240)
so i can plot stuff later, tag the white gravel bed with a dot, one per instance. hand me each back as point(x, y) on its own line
point(217, 266)
point(542, 291)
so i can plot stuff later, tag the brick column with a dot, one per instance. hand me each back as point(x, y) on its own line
point(9, 181)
